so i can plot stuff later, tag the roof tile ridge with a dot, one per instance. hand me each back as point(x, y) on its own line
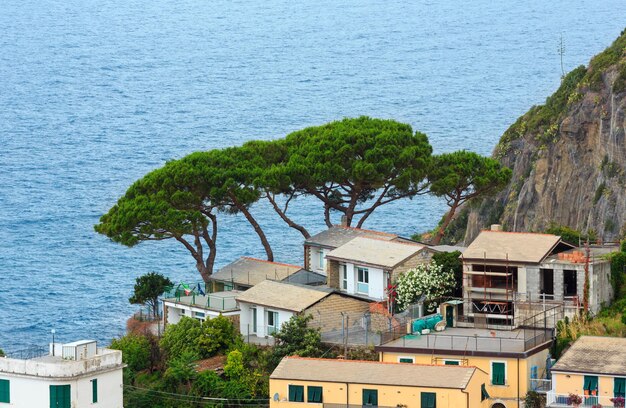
point(521, 232)
point(271, 262)
point(375, 362)
point(389, 234)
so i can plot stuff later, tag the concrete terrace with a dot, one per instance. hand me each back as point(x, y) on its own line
point(471, 341)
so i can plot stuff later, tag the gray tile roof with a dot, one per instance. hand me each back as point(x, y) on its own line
point(284, 296)
point(373, 372)
point(514, 246)
point(595, 355)
point(337, 236)
point(251, 271)
point(376, 252)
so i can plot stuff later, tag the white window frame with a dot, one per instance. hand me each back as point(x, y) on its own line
point(344, 276)
point(445, 360)
point(320, 260)
point(275, 316)
point(506, 370)
point(365, 281)
point(406, 358)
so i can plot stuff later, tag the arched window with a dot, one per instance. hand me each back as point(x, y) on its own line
point(498, 405)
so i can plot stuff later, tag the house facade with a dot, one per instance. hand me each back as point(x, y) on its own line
point(72, 375)
point(298, 382)
point(593, 368)
point(319, 245)
point(270, 304)
point(367, 266)
point(514, 361)
point(502, 268)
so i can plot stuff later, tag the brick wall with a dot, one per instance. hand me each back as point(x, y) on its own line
point(422, 257)
point(332, 270)
point(327, 313)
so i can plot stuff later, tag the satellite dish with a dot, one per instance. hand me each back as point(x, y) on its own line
point(276, 397)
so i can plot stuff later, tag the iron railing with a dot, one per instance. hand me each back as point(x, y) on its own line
point(555, 400)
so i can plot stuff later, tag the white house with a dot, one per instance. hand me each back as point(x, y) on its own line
point(73, 375)
point(267, 306)
point(366, 266)
point(319, 245)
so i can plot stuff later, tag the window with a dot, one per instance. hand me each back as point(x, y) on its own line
point(272, 322)
point(451, 362)
point(370, 397)
point(483, 393)
point(253, 319)
point(428, 399)
point(363, 280)
point(406, 360)
point(60, 396)
point(321, 259)
point(314, 394)
point(5, 391)
point(344, 276)
point(296, 393)
point(619, 387)
point(94, 390)
point(590, 385)
point(498, 376)
point(199, 314)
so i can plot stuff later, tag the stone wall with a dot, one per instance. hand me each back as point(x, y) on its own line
point(327, 313)
point(422, 257)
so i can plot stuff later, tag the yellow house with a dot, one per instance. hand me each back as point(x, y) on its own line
point(315, 383)
point(594, 368)
point(513, 360)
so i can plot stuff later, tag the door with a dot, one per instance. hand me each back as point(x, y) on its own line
point(60, 396)
point(449, 316)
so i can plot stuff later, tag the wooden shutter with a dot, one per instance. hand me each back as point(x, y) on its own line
point(497, 374)
point(619, 387)
point(94, 390)
point(428, 399)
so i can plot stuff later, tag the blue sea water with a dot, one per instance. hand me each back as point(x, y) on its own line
point(94, 94)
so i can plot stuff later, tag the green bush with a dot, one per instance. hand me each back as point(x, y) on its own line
point(182, 337)
point(295, 338)
point(135, 351)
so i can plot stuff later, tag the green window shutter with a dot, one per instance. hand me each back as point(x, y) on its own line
point(591, 383)
point(314, 394)
point(483, 393)
point(5, 391)
point(370, 397)
point(448, 362)
point(619, 387)
point(296, 393)
point(428, 400)
point(94, 390)
point(406, 360)
point(497, 374)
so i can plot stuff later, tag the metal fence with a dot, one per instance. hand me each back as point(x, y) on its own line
point(29, 353)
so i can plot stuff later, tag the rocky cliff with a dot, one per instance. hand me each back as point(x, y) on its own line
point(568, 157)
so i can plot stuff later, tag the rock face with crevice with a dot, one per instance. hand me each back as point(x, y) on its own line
point(568, 157)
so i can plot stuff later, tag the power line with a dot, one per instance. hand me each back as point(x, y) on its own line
point(171, 395)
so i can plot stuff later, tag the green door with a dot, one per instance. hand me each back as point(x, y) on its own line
point(449, 316)
point(60, 396)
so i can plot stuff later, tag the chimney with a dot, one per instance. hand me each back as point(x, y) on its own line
point(496, 227)
point(344, 221)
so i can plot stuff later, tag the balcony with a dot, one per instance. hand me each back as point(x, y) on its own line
point(555, 400)
point(219, 301)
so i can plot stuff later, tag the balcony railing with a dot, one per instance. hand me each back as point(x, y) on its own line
point(540, 385)
point(555, 400)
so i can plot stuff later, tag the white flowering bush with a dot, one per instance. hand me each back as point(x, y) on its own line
point(429, 280)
